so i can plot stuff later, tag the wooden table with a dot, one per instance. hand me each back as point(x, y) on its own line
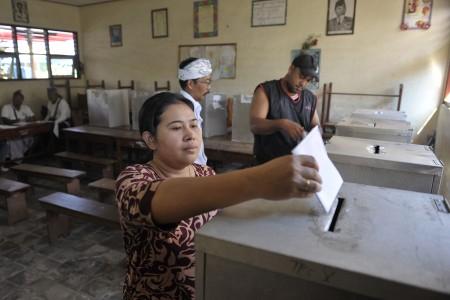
point(219, 148)
point(30, 129)
point(112, 138)
point(11, 132)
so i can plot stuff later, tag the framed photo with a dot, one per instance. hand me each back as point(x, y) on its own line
point(416, 14)
point(160, 27)
point(205, 18)
point(115, 35)
point(341, 17)
point(268, 12)
point(20, 11)
point(221, 56)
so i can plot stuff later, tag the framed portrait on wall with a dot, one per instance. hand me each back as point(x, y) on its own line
point(160, 27)
point(115, 35)
point(416, 14)
point(341, 17)
point(205, 18)
point(20, 11)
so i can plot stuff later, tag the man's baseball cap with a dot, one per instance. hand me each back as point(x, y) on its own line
point(307, 65)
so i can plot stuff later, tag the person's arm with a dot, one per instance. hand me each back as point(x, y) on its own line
point(5, 116)
point(64, 112)
point(285, 177)
point(29, 115)
point(8, 121)
point(259, 124)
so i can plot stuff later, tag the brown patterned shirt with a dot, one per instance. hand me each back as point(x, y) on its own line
point(160, 257)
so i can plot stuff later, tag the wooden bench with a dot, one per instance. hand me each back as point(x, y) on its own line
point(105, 187)
point(59, 206)
point(106, 163)
point(15, 195)
point(67, 176)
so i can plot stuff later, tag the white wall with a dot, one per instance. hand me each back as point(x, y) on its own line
point(46, 15)
point(375, 59)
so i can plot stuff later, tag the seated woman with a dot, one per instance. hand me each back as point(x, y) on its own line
point(14, 113)
point(164, 202)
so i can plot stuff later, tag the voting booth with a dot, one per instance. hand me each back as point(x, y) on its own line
point(378, 243)
point(241, 119)
point(214, 114)
point(137, 99)
point(388, 164)
point(108, 108)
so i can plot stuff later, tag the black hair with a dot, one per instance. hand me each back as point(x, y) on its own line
point(184, 63)
point(339, 3)
point(18, 93)
point(152, 109)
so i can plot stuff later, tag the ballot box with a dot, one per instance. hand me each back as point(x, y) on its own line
point(388, 164)
point(214, 115)
point(379, 114)
point(240, 130)
point(379, 243)
point(137, 99)
point(385, 130)
point(108, 108)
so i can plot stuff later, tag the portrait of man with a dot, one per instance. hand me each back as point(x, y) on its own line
point(20, 11)
point(341, 17)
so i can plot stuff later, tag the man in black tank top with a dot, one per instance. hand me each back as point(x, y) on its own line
point(283, 110)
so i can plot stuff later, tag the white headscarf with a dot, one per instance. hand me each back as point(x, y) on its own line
point(198, 68)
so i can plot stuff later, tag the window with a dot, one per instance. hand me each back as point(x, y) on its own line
point(37, 53)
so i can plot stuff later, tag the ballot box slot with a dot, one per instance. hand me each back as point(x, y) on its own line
point(376, 149)
point(336, 214)
point(442, 205)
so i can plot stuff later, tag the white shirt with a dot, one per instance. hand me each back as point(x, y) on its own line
point(201, 159)
point(11, 113)
point(63, 112)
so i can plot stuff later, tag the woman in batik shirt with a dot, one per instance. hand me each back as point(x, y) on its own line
point(164, 202)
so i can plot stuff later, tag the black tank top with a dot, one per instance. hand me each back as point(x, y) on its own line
point(281, 106)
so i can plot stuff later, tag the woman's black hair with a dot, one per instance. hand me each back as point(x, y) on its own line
point(152, 109)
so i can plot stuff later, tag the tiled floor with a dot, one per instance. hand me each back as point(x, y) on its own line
point(87, 264)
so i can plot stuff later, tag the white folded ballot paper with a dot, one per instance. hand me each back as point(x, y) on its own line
point(313, 145)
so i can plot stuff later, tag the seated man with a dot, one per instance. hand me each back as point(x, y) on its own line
point(58, 111)
point(12, 114)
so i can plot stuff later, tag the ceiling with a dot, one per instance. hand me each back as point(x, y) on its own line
point(79, 2)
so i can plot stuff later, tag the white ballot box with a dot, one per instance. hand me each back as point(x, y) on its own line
point(214, 114)
point(108, 108)
point(388, 164)
point(240, 131)
point(385, 130)
point(379, 114)
point(137, 99)
point(378, 243)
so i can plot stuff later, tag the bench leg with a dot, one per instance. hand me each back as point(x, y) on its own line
point(17, 207)
point(57, 225)
point(108, 172)
point(73, 186)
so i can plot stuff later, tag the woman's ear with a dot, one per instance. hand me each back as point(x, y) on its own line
point(149, 140)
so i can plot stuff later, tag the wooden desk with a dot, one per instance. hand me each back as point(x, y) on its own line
point(28, 129)
point(110, 137)
point(221, 148)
